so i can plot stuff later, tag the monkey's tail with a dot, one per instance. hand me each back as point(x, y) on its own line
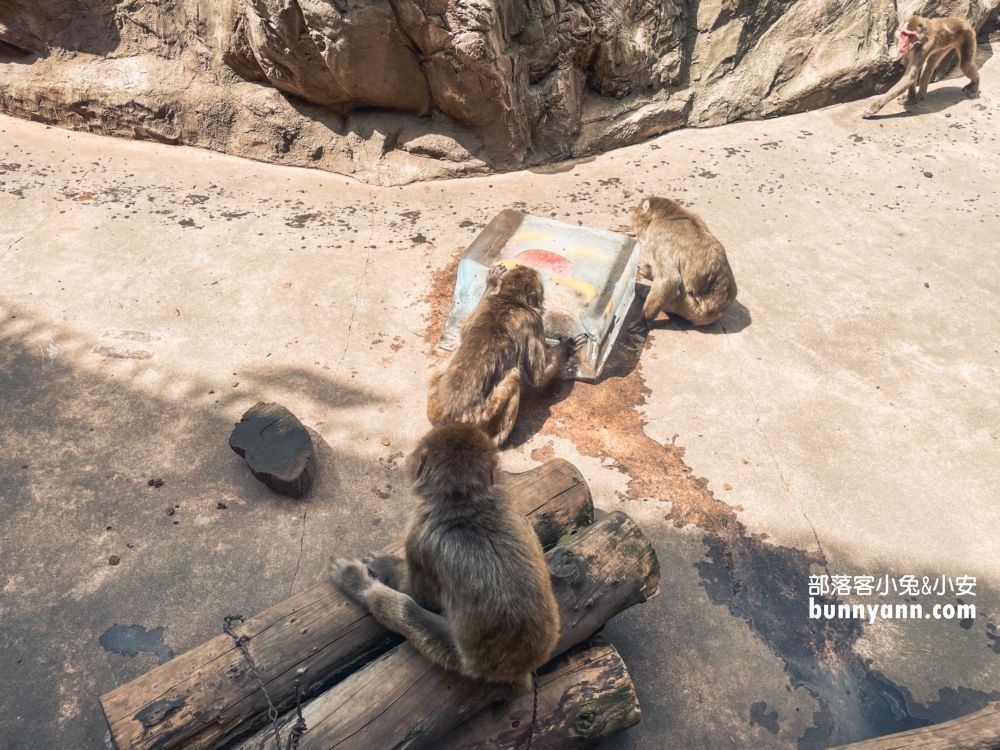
point(534, 708)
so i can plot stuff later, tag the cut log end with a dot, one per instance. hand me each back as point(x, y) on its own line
point(584, 696)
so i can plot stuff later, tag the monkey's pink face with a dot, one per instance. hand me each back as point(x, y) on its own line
point(906, 38)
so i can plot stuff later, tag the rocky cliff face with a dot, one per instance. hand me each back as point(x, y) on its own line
point(397, 90)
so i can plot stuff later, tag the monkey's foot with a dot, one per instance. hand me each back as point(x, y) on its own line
point(645, 270)
point(385, 567)
point(971, 90)
point(578, 342)
point(353, 577)
point(870, 112)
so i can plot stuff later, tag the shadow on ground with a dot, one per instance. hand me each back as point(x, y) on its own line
point(104, 575)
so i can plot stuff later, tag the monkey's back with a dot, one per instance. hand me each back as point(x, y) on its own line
point(494, 586)
point(494, 340)
point(683, 241)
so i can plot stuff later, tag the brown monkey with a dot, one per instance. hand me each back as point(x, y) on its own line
point(503, 342)
point(690, 272)
point(924, 43)
point(474, 593)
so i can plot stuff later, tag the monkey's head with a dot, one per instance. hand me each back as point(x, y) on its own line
point(651, 208)
point(914, 33)
point(523, 284)
point(453, 459)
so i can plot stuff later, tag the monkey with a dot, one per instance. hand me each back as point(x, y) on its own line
point(502, 344)
point(473, 593)
point(690, 271)
point(924, 43)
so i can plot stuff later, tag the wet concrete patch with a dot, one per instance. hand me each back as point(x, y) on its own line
point(760, 716)
point(131, 640)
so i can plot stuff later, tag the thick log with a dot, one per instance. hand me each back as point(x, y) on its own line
point(205, 697)
point(584, 696)
point(976, 731)
point(402, 700)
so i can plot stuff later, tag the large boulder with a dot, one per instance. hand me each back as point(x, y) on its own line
point(392, 91)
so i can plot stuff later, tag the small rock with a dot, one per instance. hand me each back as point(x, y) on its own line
point(114, 560)
point(927, 285)
point(236, 383)
point(170, 511)
point(277, 448)
point(928, 174)
point(385, 441)
point(220, 506)
point(727, 486)
point(155, 483)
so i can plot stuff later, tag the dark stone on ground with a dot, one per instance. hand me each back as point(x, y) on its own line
point(277, 448)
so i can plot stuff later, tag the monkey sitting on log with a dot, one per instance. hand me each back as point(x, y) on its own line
point(924, 43)
point(502, 342)
point(690, 271)
point(473, 594)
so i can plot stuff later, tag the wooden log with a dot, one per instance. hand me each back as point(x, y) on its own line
point(979, 730)
point(207, 696)
point(584, 696)
point(402, 700)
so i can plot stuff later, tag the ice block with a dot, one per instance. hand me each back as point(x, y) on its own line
point(589, 278)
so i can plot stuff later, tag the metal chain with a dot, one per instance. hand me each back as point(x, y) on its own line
point(299, 727)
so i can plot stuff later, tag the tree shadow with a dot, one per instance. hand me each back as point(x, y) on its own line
point(81, 436)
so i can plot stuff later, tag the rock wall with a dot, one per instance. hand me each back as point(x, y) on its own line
point(391, 91)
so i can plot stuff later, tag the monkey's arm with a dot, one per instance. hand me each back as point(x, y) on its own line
point(544, 362)
point(429, 633)
point(909, 79)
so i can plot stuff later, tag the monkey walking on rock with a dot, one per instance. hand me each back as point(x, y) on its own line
point(473, 594)
point(503, 344)
point(924, 43)
point(690, 272)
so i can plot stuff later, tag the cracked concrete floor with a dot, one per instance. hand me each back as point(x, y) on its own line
point(843, 415)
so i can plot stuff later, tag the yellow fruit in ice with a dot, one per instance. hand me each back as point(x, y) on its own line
point(582, 288)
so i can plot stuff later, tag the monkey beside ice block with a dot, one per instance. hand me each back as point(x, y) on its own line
point(924, 43)
point(473, 594)
point(502, 345)
point(689, 270)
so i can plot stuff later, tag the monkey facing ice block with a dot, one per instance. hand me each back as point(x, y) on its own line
point(588, 277)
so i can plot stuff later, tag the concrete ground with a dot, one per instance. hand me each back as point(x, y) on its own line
point(844, 414)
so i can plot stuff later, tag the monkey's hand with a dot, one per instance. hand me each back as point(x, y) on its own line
point(575, 344)
point(640, 327)
point(389, 569)
point(493, 279)
point(353, 577)
point(645, 271)
point(870, 112)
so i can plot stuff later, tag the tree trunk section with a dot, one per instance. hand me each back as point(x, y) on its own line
point(207, 696)
point(584, 696)
point(403, 701)
point(976, 731)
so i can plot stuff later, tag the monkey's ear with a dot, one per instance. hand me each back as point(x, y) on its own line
point(423, 460)
point(645, 205)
